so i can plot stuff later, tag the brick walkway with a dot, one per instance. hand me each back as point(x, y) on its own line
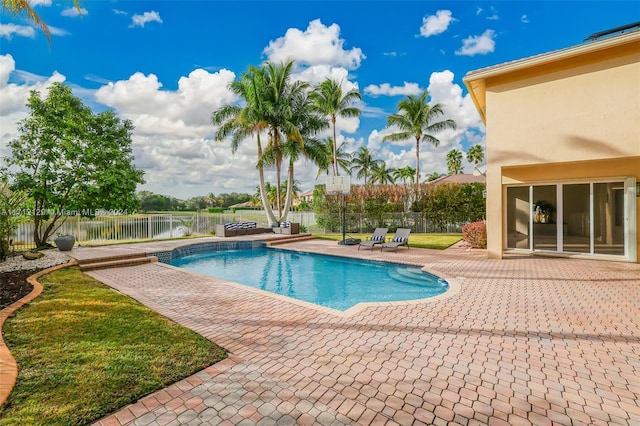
point(525, 340)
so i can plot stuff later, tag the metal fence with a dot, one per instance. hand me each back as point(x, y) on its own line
point(105, 229)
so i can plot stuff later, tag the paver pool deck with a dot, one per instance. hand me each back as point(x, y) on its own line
point(523, 340)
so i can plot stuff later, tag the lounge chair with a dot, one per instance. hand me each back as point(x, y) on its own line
point(400, 239)
point(379, 234)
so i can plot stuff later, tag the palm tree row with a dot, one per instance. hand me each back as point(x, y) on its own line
point(293, 114)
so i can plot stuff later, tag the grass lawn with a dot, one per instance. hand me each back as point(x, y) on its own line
point(84, 350)
point(430, 241)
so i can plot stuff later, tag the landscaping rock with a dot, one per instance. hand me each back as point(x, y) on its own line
point(33, 255)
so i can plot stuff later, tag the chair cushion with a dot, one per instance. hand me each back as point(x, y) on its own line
point(399, 239)
point(377, 237)
point(285, 224)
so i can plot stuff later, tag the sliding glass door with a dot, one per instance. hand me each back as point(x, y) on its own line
point(591, 218)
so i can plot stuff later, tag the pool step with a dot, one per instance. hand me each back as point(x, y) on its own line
point(290, 239)
point(119, 261)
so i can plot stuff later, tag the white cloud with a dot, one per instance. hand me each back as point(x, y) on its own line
point(436, 24)
point(34, 3)
point(469, 130)
point(9, 30)
point(120, 12)
point(524, 19)
point(14, 97)
point(478, 45)
point(141, 20)
point(173, 133)
point(72, 12)
point(317, 45)
point(58, 31)
point(385, 89)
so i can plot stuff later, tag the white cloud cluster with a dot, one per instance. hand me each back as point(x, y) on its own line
point(457, 107)
point(478, 45)
point(9, 30)
point(317, 45)
point(73, 12)
point(385, 89)
point(14, 97)
point(436, 24)
point(34, 3)
point(146, 17)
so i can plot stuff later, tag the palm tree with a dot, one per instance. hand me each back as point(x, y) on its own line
point(329, 101)
point(363, 163)
point(308, 124)
point(250, 120)
point(344, 158)
point(475, 155)
point(281, 118)
point(17, 7)
point(405, 173)
point(382, 175)
point(454, 161)
point(433, 176)
point(417, 118)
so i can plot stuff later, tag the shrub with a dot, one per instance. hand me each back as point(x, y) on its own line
point(475, 234)
point(215, 209)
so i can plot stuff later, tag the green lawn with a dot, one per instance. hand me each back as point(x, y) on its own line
point(430, 241)
point(85, 350)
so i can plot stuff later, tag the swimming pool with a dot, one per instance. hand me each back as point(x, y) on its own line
point(331, 281)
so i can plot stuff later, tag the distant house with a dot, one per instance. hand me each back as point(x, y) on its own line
point(563, 150)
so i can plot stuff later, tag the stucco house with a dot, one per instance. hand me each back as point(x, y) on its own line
point(563, 150)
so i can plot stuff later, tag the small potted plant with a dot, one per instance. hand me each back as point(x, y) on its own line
point(542, 211)
point(64, 242)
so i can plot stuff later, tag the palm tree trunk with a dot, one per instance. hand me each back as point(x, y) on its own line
point(289, 197)
point(335, 146)
point(263, 192)
point(417, 165)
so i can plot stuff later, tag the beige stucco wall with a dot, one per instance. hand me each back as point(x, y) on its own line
point(571, 114)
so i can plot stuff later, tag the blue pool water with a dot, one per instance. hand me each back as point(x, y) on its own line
point(330, 281)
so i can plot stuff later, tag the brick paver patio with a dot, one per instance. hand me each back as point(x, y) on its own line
point(525, 340)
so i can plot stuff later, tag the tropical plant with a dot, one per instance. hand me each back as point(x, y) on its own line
point(241, 122)
point(18, 7)
point(416, 118)
point(344, 158)
point(405, 173)
point(329, 100)
point(71, 161)
point(475, 155)
point(433, 176)
point(381, 174)
point(363, 163)
point(454, 161)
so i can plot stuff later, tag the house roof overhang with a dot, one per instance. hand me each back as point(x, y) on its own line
point(476, 81)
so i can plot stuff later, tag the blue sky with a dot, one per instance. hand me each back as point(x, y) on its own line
point(165, 65)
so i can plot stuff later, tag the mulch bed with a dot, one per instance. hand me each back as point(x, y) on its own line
point(14, 286)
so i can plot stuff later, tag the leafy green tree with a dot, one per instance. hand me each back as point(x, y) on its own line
point(363, 163)
point(475, 155)
point(454, 161)
point(453, 203)
point(417, 119)
point(330, 101)
point(381, 174)
point(70, 160)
